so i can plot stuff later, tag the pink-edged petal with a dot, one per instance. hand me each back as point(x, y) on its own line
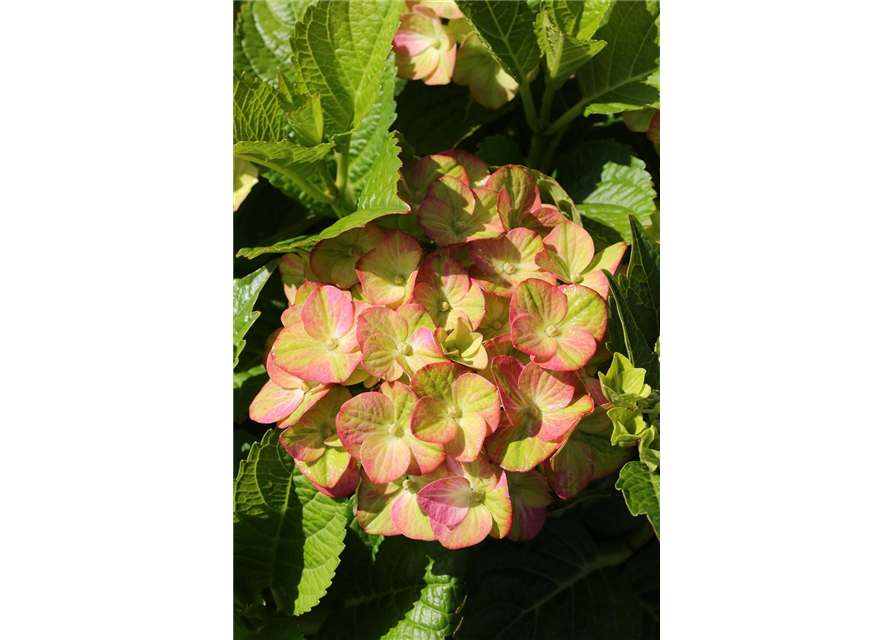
point(385, 457)
point(446, 501)
point(380, 357)
point(501, 264)
point(474, 395)
point(375, 505)
point(574, 348)
point(540, 300)
point(313, 393)
point(334, 259)
point(409, 519)
point(328, 313)
point(280, 376)
point(425, 456)
point(506, 374)
point(328, 469)
point(476, 525)
point(516, 448)
point(586, 310)
point(468, 440)
point(388, 272)
point(446, 212)
point(554, 424)
point(437, 380)
point(291, 271)
point(380, 321)
point(496, 317)
point(608, 259)
point(543, 220)
point(424, 351)
point(303, 442)
point(573, 245)
point(499, 504)
point(527, 522)
point(475, 168)
point(274, 403)
point(571, 469)
point(431, 421)
point(345, 486)
point(301, 355)
point(363, 416)
point(416, 317)
point(531, 336)
point(547, 390)
point(521, 193)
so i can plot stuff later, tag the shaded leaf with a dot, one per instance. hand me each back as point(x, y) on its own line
point(245, 292)
point(507, 30)
point(641, 490)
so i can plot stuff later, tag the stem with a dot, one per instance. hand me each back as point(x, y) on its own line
point(539, 139)
point(567, 117)
point(327, 178)
point(342, 152)
point(529, 108)
point(550, 152)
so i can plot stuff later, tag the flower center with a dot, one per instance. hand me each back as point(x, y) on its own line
point(356, 252)
point(398, 280)
point(454, 412)
point(395, 430)
point(409, 485)
point(331, 344)
point(459, 226)
point(508, 268)
point(497, 325)
point(575, 277)
point(406, 349)
point(436, 44)
point(445, 306)
point(477, 495)
point(551, 331)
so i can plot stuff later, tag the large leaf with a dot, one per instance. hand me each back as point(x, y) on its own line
point(576, 18)
point(405, 589)
point(554, 586)
point(367, 140)
point(260, 44)
point(256, 111)
point(287, 536)
point(608, 183)
point(564, 53)
point(378, 198)
point(507, 30)
point(245, 292)
point(641, 490)
point(434, 119)
point(340, 51)
point(626, 76)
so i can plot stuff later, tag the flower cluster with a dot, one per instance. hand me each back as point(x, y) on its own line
point(435, 44)
point(450, 389)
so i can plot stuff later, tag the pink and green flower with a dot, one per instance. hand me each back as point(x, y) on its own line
point(540, 405)
point(501, 264)
point(444, 289)
point(418, 177)
point(496, 317)
point(284, 397)
point(569, 255)
point(375, 428)
point(469, 504)
point(452, 214)
point(559, 326)
point(456, 408)
point(530, 497)
point(582, 458)
point(388, 272)
point(392, 508)
point(313, 441)
point(334, 259)
point(397, 343)
point(487, 81)
point(425, 49)
point(322, 347)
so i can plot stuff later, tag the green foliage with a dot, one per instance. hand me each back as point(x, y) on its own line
point(499, 150)
point(558, 585)
point(405, 589)
point(260, 44)
point(507, 30)
point(641, 490)
point(287, 536)
point(563, 52)
point(245, 292)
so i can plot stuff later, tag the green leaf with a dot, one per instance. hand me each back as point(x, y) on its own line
point(507, 29)
point(564, 53)
point(287, 536)
point(499, 150)
point(435, 119)
point(283, 246)
point(282, 156)
point(279, 628)
point(260, 44)
point(256, 111)
point(608, 184)
point(245, 292)
point(627, 337)
point(554, 586)
point(578, 19)
point(627, 75)
point(641, 490)
point(340, 51)
point(410, 589)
